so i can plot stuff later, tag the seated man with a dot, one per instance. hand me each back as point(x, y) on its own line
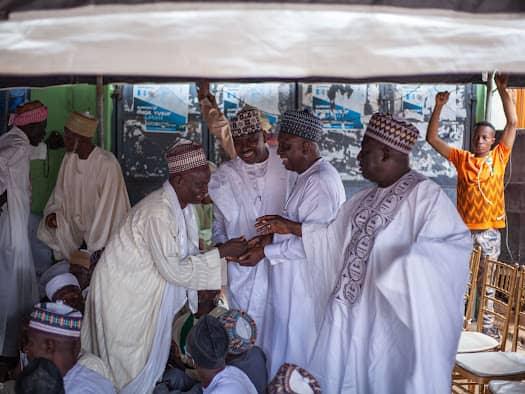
point(242, 332)
point(292, 379)
point(208, 344)
point(65, 288)
point(54, 334)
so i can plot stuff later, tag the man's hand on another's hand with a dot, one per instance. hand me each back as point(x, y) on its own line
point(251, 257)
point(260, 240)
point(51, 220)
point(233, 248)
point(275, 224)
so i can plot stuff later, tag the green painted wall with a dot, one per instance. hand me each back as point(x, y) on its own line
point(481, 97)
point(60, 101)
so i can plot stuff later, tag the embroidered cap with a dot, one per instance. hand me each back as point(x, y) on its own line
point(185, 155)
point(59, 282)
point(241, 330)
point(28, 113)
point(293, 379)
point(247, 121)
point(303, 124)
point(395, 133)
point(56, 318)
point(82, 124)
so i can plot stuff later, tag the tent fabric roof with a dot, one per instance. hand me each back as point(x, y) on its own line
point(481, 6)
point(255, 41)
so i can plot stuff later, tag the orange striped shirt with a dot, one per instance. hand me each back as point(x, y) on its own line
point(480, 187)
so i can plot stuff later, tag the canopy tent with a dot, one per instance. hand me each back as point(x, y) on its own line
point(58, 42)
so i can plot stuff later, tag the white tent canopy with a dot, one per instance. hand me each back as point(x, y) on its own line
point(246, 40)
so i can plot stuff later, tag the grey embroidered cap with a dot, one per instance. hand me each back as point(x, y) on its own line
point(303, 124)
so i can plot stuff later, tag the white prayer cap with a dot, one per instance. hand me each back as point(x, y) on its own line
point(185, 155)
point(56, 269)
point(59, 282)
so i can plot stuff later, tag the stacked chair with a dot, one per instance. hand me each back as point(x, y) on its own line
point(482, 364)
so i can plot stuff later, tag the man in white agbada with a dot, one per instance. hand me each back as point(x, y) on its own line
point(53, 334)
point(293, 305)
point(18, 287)
point(90, 199)
point(396, 257)
point(145, 273)
point(253, 184)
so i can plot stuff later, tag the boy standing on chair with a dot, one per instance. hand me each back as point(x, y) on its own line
point(480, 184)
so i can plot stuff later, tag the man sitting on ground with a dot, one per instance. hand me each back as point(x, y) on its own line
point(208, 344)
point(65, 288)
point(54, 334)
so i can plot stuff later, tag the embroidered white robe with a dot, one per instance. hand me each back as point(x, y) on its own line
point(241, 193)
point(393, 322)
point(90, 201)
point(292, 314)
point(140, 283)
point(18, 287)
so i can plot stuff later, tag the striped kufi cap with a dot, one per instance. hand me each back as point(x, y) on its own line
point(247, 121)
point(56, 318)
point(395, 133)
point(241, 330)
point(291, 378)
point(303, 124)
point(185, 155)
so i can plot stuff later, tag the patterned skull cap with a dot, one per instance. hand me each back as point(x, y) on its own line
point(185, 155)
point(395, 133)
point(56, 318)
point(291, 379)
point(247, 121)
point(303, 124)
point(241, 329)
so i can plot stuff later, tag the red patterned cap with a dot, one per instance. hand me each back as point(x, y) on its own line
point(185, 155)
point(395, 133)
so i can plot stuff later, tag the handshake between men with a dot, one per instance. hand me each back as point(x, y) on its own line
point(266, 227)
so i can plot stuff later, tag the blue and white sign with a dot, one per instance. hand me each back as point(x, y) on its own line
point(164, 107)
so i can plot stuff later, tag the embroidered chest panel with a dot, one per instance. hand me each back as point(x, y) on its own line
point(375, 212)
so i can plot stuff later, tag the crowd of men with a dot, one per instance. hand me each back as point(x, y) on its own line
point(301, 290)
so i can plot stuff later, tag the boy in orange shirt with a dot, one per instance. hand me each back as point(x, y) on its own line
point(480, 184)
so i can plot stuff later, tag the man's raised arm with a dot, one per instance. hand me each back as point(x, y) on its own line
point(509, 133)
point(433, 137)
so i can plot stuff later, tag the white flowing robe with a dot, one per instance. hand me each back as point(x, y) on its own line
point(90, 201)
point(140, 283)
point(241, 193)
point(18, 287)
point(292, 314)
point(400, 333)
